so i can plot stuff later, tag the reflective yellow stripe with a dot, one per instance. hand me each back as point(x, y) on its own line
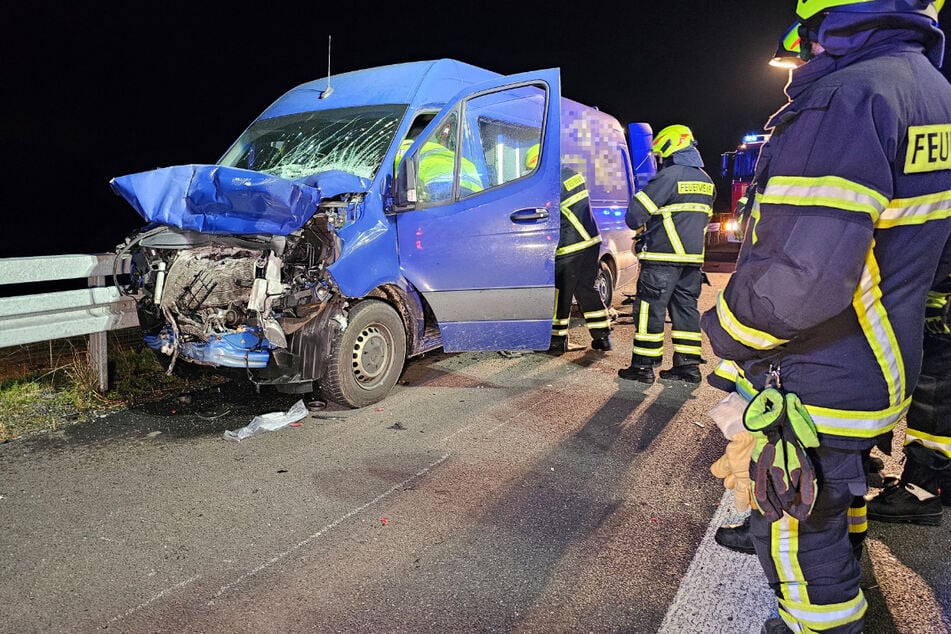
point(560, 322)
point(915, 211)
point(877, 328)
point(648, 352)
point(595, 325)
point(754, 219)
point(825, 617)
point(824, 191)
point(578, 246)
point(642, 319)
point(941, 444)
point(652, 337)
point(784, 551)
point(586, 239)
point(671, 257)
point(594, 314)
point(685, 334)
point(688, 349)
point(568, 202)
point(671, 229)
point(858, 520)
point(676, 208)
point(646, 201)
point(749, 337)
point(857, 423)
point(730, 371)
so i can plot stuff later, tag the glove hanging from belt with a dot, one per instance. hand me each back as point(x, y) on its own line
point(785, 478)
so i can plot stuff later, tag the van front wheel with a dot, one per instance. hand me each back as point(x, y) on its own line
point(367, 358)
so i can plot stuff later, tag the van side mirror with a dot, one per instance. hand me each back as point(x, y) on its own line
point(404, 186)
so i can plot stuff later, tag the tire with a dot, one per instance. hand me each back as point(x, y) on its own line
point(604, 284)
point(367, 358)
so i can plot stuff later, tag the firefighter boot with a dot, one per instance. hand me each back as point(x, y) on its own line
point(775, 626)
point(903, 501)
point(558, 346)
point(687, 373)
point(642, 373)
point(601, 342)
point(736, 537)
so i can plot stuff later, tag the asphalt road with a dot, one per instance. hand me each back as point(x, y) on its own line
point(485, 494)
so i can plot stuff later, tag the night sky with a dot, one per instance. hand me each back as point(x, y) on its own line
point(95, 91)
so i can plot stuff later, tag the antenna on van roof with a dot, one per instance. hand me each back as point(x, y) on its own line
point(328, 90)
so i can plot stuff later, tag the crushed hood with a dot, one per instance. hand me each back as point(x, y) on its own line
point(228, 200)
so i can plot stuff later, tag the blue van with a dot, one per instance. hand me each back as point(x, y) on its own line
point(330, 242)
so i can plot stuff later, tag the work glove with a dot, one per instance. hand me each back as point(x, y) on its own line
point(785, 479)
point(733, 467)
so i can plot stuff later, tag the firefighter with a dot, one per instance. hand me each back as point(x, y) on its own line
point(925, 483)
point(576, 264)
point(827, 301)
point(674, 208)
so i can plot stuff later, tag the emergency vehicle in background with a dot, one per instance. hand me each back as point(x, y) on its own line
point(737, 170)
point(317, 255)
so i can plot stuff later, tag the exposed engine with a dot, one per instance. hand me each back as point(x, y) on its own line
point(231, 301)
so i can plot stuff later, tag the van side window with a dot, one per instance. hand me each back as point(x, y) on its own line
point(500, 129)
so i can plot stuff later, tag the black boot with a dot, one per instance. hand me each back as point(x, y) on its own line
point(558, 346)
point(642, 373)
point(688, 373)
point(736, 537)
point(601, 342)
point(905, 502)
point(775, 626)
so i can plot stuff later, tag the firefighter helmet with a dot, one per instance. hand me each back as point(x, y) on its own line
point(806, 9)
point(672, 139)
point(531, 157)
point(787, 53)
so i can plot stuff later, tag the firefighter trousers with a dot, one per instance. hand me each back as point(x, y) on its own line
point(811, 565)
point(662, 288)
point(575, 276)
point(928, 433)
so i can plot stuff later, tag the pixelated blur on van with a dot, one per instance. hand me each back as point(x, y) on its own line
point(367, 218)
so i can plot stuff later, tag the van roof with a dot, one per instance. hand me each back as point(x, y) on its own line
point(418, 84)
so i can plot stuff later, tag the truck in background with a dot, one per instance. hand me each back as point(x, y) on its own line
point(320, 252)
point(736, 168)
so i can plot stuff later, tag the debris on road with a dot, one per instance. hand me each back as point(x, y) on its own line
point(269, 422)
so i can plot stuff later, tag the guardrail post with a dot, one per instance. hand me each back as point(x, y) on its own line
point(98, 353)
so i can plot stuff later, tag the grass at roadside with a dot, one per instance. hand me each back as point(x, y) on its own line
point(68, 394)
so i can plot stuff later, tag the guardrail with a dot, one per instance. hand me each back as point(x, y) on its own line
point(92, 311)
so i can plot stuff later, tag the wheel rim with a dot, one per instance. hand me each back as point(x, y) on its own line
point(372, 354)
point(601, 285)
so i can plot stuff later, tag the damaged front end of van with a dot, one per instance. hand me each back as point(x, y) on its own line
point(232, 269)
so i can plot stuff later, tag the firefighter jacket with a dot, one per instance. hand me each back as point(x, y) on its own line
point(850, 229)
point(578, 228)
point(675, 206)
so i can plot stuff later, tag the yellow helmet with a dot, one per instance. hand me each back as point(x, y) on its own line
point(805, 9)
point(672, 139)
point(531, 157)
point(787, 53)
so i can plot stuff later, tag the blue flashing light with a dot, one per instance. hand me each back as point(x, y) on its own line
point(751, 138)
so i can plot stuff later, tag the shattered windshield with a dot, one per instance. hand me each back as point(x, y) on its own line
point(352, 140)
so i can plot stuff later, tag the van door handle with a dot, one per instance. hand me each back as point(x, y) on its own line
point(529, 214)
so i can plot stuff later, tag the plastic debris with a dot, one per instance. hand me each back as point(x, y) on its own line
point(269, 422)
point(384, 521)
